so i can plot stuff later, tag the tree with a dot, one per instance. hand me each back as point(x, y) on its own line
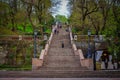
point(86, 7)
point(4, 7)
point(61, 18)
point(81, 10)
point(39, 9)
point(105, 6)
point(96, 22)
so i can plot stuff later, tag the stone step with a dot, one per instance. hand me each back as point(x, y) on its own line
point(60, 46)
point(60, 64)
point(80, 73)
point(60, 37)
point(57, 37)
point(60, 74)
point(61, 61)
point(66, 41)
point(62, 58)
point(55, 69)
point(60, 51)
point(60, 40)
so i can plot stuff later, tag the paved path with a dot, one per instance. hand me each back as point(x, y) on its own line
point(59, 78)
point(59, 74)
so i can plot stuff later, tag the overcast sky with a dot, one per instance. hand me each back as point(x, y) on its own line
point(62, 9)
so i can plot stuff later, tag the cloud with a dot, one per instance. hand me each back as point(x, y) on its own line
point(62, 10)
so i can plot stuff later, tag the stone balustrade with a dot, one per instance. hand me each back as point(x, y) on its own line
point(41, 57)
point(73, 44)
point(46, 48)
point(78, 52)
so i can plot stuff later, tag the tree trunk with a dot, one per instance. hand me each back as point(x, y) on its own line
point(104, 23)
point(29, 11)
point(13, 22)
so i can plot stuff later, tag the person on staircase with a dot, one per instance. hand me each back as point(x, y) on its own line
point(62, 44)
point(55, 31)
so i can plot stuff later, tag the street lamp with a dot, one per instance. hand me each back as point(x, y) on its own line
point(35, 43)
point(96, 40)
point(94, 57)
point(89, 49)
point(44, 27)
point(45, 37)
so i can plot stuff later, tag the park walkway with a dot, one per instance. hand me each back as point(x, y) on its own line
point(62, 59)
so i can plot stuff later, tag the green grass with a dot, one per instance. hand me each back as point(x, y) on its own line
point(15, 68)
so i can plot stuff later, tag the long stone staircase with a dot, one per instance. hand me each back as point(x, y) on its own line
point(61, 59)
point(61, 63)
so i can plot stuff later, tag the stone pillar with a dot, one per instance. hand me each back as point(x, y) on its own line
point(103, 65)
point(115, 65)
point(36, 63)
point(110, 65)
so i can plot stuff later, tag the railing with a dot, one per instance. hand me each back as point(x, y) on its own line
point(38, 62)
point(92, 38)
point(80, 47)
point(15, 50)
point(15, 53)
point(18, 37)
point(78, 52)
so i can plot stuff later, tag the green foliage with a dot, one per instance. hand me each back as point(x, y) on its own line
point(75, 19)
point(17, 15)
point(75, 30)
point(49, 20)
point(19, 19)
point(95, 22)
point(61, 18)
point(3, 6)
point(42, 43)
point(20, 28)
point(4, 31)
point(19, 57)
point(48, 31)
point(112, 35)
point(102, 17)
point(28, 28)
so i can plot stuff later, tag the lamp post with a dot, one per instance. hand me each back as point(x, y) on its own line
point(35, 44)
point(94, 59)
point(89, 49)
point(44, 27)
